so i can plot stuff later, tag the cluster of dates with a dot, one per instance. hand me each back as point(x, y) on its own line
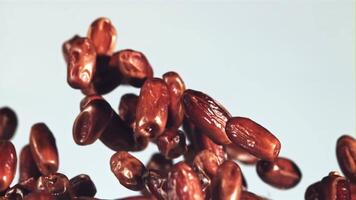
point(210, 142)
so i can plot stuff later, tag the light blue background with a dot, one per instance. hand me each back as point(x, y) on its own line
point(289, 65)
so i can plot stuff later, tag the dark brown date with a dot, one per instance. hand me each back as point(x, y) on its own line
point(92, 121)
point(88, 99)
point(156, 183)
point(8, 123)
point(176, 88)
point(183, 183)
point(152, 108)
point(207, 115)
point(128, 170)
point(39, 196)
point(44, 149)
point(8, 162)
point(282, 173)
point(227, 184)
point(79, 52)
point(159, 163)
point(133, 65)
point(103, 35)
point(346, 156)
point(82, 186)
point(127, 108)
point(235, 152)
point(254, 138)
point(28, 167)
point(55, 184)
point(172, 143)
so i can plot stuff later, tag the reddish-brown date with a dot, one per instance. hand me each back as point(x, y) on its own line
point(176, 88)
point(160, 163)
point(331, 187)
point(56, 184)
point(82, 186)
point(133, 65)
point(92, 121)
point(39, 196)
point(172, 143)
point(346, 156)
point(235, 152)
point(206, 143)
point(183, 183)
point(44, 149)
point(245, 195)
point(152, 108)
point(8, 162)
point(254, 138)
point(156, 183)
point(28, 167)
point(88, 99)
point(79, 52)
point(128, 170)
point(227, 184)
point(282, 173)
point(103, 35)
point(127, 108)
point(8, 123)
point(207, 115)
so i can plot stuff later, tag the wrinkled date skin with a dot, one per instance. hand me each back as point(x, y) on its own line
point(103, 35)
point(28, 167)
point(183, 183)
point(172, 143)
point(207, 115)
point(44, 149)
point(176, 88)
point(227, 184)
point(82, 186)
point(133, 65)
point(39, 196)
point(128, 170)
point(156, 183)
point(8, 123)
point(92, 121)
point(206, 164)
point(282, 173)
point(79, 52)
point(254, 138)
point(245, 195)
point(8, 162)
point(346, 156)
point(159, 163)
point(127, 108)
point(235, 152)
point(152, 108)
point(331, 187)
point(55, 184)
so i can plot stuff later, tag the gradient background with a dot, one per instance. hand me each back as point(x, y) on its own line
point(289, 65)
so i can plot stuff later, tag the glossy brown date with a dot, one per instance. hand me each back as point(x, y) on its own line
point(227, 184)
point(92, 121)
point(176, 88)
point(79, 52)
point(103, 35)
point(183, 183)
point(8, 123)
point(207, 115)
point(172, 143)
point(87, 100)
point(127, 108)
point(254, 138)
point(44, 149)
point(346, 156)
point(8, 162)
point(55, 184)
point(152, 108)
point(160, 163)
point(39, 196)
point(28, 167)
point(331, 187)
point(82, 186)
point(128, 170)
point(133, 65)
point(235, 152)
point(282, 173)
